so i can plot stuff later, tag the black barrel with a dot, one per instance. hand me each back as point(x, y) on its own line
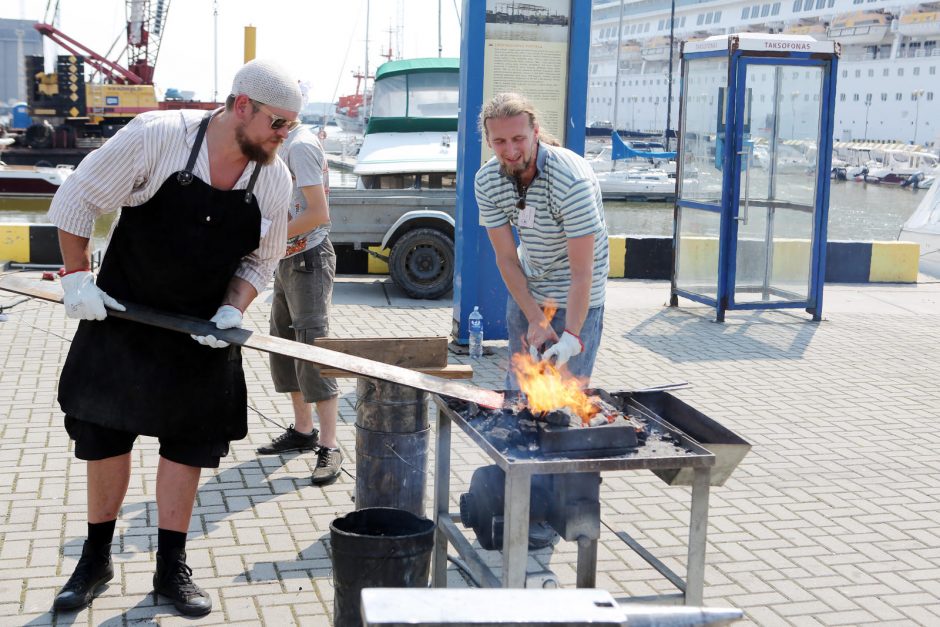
point(377, 547)
point(392, 440)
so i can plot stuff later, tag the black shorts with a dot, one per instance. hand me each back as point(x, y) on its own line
point(94, 442)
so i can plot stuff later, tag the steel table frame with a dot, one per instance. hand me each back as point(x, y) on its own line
point(516, 512)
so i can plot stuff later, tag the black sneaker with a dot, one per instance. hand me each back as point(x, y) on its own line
point(329, 464)
point(291, 440)
point(173, 580)
point(94, 569)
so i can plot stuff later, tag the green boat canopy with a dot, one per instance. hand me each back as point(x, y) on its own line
point(413, 66)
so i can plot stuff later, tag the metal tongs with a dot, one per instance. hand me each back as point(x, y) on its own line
point(663, 387)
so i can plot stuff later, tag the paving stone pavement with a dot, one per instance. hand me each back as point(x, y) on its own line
point(832, 518)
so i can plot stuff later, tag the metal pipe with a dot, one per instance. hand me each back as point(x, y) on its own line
point(616, 122)
point(672, 45)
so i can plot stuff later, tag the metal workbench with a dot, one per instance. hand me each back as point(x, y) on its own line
point(693, 468)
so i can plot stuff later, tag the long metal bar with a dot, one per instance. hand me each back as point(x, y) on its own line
point(652, 560)
point(448, 528)
point(269, 344)
point(698, 531)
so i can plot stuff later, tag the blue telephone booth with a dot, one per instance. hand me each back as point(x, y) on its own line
point(755, 148)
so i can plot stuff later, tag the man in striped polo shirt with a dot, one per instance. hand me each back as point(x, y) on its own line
point(552, 198)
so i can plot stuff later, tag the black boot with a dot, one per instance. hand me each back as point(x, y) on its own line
point(173, 579)
point(94, 569)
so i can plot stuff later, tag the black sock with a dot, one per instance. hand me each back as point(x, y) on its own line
point(101, 534)
point(170, 541)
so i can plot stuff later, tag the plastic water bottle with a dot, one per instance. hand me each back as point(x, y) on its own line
point(476, 334)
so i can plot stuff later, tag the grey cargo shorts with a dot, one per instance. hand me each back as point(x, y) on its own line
point(303, 289)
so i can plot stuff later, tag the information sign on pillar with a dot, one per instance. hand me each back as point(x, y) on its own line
point(540, 49)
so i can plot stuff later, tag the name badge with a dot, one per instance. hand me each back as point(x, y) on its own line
point(527, 217)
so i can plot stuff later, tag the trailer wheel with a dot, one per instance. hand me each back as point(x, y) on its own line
point(422, 263)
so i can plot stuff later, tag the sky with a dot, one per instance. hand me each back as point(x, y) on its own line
point(322, 42)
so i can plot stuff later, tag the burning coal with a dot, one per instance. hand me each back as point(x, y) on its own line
point(548, 389)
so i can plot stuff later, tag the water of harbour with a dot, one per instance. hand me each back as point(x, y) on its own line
point(857, 212)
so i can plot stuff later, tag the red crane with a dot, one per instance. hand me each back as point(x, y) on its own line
point(145, 20)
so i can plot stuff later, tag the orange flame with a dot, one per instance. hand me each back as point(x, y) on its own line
point(547, 389)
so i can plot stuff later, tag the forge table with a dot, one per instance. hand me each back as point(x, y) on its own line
point(695, 464)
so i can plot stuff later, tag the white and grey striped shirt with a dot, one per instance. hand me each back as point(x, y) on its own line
point(132, 166)
point(567, 201)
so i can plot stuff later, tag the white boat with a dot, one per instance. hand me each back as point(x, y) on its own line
point(923, 227)
point(601, 162)
point(899, 166)
point(888, 83)
point(863, 27)
point(411, 137)
point(919, 23)
point(656, 49)
point(28, 181)
point(637, 184)
point(337, 141)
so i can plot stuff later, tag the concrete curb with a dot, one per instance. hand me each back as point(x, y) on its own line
point(648, 258)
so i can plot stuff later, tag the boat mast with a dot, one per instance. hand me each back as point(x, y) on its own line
point(440, 47)
point(672, 46)
point(365, 80)
point(613, 163)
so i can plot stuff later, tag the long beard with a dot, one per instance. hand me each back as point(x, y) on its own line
point(514, 171)
point(251, 150)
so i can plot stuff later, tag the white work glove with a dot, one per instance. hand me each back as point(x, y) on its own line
point(567, 347)
point(227, 317)
point(85, 300)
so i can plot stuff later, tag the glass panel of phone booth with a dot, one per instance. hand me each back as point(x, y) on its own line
point(700, 176)
point(776, 206)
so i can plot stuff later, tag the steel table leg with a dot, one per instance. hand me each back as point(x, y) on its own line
point(441, 496)
point(698, 529)
point(516, 528)
point(587, 563)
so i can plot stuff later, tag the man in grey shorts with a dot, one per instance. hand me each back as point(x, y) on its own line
point(303, 289)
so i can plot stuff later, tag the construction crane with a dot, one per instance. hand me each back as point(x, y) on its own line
point(69, 111)
point(145, 20)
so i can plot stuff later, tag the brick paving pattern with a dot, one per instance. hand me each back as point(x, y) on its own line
point(830, 520)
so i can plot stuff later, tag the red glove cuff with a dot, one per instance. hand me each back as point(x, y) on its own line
point(577, 338)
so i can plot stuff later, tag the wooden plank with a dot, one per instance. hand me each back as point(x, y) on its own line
point(419, 353)
point(243, 337)
point(450, 371)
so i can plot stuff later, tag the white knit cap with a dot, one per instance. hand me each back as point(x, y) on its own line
point(269, 83)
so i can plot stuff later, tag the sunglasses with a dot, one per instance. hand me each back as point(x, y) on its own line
point(522, 190)
point(277, 122)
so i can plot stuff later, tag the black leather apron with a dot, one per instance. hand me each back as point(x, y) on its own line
point(177, 252)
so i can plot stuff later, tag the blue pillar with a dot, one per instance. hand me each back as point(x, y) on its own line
point(477, 281)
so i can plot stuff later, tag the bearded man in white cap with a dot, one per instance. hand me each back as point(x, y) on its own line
point(202, 226)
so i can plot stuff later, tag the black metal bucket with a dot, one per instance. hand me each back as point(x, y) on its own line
point(392, 440)
point(377, 547)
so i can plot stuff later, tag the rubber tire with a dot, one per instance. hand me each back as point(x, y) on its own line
point(434, 251)
point(39, 136)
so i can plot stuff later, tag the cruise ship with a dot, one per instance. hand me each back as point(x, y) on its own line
point(888, 84)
